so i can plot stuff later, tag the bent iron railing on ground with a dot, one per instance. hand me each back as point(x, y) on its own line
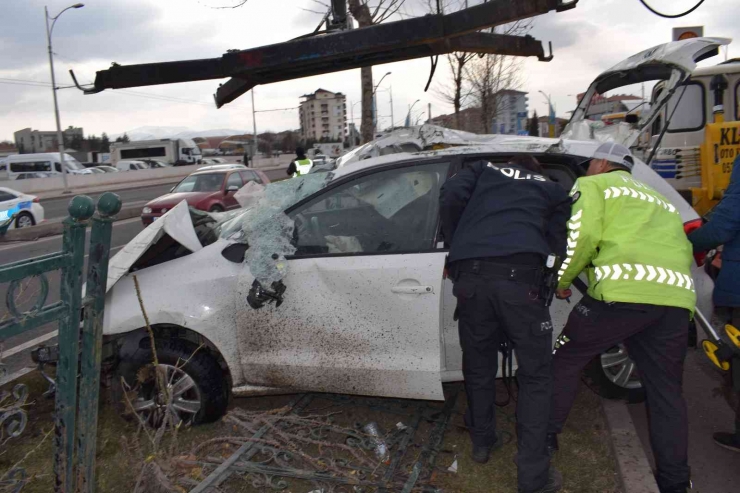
point(75, 420)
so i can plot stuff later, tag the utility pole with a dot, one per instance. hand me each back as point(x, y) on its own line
point(429, 120)
point(254, 126)
point(60, 135)
point(393, 121)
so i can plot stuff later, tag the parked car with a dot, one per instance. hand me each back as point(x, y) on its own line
point(96, 170)
point(26, 208)
point(154, 164)
point(107, 169)
point(213, 167)
point(209, 190)
point(333, 282)
point(131, 165)
point(30, 176)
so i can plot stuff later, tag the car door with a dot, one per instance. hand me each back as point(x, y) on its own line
point(8, 205)
point(233, 180)
point(361, 313)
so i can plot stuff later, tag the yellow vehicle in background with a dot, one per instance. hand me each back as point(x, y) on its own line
point(690, 133)
point(702, 138)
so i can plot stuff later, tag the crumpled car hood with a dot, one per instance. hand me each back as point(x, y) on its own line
point(672, 62)
point(176, 223)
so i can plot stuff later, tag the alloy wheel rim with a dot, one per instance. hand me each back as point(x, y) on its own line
point(620, 369)
point(181, 397)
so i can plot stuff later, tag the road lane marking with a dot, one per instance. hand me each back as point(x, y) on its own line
point(22, 347)
point(16, 375)
point(24, 244)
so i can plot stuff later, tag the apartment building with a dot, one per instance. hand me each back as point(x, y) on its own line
point(323, 115)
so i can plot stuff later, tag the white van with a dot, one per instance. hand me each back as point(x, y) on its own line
point(131, 165)
point(47, 163)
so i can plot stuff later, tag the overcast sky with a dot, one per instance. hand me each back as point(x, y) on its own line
point(586, 40)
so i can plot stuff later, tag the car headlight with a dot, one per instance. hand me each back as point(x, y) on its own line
point(146, 210)
point(164, 209)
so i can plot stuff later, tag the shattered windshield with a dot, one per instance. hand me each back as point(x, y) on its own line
point(263, 225)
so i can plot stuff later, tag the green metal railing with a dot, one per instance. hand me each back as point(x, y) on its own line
point(75, 420)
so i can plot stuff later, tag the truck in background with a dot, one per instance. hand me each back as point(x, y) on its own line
point(178, 152)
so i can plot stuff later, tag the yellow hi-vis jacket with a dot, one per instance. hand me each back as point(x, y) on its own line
point(302, 167)
point(630, 240)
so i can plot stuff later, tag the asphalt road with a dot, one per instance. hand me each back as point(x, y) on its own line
point(56, 208)
point(713, 469)
point(123, 232)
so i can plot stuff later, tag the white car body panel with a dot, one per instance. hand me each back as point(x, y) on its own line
point(344, 327)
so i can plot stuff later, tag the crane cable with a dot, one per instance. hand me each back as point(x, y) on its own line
point(668, 16)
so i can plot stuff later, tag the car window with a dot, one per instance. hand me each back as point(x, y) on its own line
point(201, 183)
point(132, 166)
point(4, 196)
point(251, 176)
point(389, 211)
point(689, 116)
point(234, 180)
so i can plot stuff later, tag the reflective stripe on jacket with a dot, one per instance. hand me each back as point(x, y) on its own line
point(630, 240)
point(302, 167)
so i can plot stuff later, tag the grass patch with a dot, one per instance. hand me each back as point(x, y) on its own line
point(585, 459)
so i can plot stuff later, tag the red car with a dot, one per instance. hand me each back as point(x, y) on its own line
point(211, 191)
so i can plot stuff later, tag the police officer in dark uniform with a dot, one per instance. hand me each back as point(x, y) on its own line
point(502, 221)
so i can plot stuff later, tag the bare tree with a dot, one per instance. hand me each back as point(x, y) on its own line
point(455, 92)
point(490, 74)
point(367, 15)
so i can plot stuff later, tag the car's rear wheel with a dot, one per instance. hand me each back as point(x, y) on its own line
point(614, 375)
point(216, 208)
point(191, 384)
point(24, 220)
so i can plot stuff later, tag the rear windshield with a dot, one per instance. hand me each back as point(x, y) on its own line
point(201, 183)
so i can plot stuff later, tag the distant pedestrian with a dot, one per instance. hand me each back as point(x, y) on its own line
point(246, 159)
point(724, 229)
point(301, 165)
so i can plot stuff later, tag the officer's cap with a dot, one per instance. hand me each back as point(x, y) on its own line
point(616, 154)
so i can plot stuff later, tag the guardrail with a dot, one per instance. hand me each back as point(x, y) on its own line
point(75, 420)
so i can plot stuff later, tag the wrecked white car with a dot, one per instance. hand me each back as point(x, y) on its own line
point(332, 282)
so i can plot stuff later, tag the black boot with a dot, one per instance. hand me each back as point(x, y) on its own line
point(554, 482)
point(552, 443)
point(676, 488)
point(482, 453)
point(730, 441)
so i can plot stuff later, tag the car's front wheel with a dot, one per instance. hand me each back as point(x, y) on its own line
point(24, 220)
point(614, 375)
point(216, 208)
point(188, 382)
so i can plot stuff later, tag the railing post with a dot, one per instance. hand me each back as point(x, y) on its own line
point(80, 209)
point(109, 205)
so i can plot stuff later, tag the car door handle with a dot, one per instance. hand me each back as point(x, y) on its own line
point(412, 289)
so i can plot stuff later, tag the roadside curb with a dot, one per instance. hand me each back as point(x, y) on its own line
point(634, 469)
point(53, 228)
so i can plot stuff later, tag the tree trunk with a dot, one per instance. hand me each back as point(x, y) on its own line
point(367, 127)
point(361, 12)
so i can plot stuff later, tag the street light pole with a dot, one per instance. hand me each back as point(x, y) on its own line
point(375, 103)
point(550, 123)
point(60, 136)
point(411, 107)
point(254, 126)
point(393, 121)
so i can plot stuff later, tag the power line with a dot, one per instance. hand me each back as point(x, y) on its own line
point(671, 16)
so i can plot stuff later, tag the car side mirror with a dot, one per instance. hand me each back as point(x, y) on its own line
point(232, 188)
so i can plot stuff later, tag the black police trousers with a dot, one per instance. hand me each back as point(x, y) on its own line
point(489, 306)
point(656, 339)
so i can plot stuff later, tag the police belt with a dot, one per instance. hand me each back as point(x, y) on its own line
point(527, 274)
